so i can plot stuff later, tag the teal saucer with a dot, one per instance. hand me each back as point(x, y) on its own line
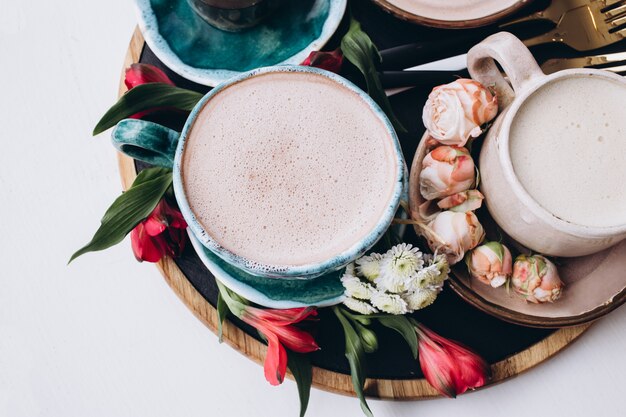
point(322, 291)
point(206, 55)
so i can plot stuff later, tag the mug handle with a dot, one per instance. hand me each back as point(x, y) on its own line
point(516, 61)
point(146, 141)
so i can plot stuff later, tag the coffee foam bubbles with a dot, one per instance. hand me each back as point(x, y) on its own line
point(288, 168)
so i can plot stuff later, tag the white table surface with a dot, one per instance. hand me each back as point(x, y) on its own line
point(106, 336)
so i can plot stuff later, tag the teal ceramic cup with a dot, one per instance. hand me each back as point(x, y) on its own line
point(158, 145)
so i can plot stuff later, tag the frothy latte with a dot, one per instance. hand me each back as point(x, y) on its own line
point(288, 168)
point(567, 146)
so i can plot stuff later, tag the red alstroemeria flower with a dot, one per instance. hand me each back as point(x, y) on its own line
point(161, 233)
point(330, 61)
point(138, 74)
point(449, 367)
point(277, 327)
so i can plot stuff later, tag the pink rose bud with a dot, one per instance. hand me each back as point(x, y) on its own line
point(455, 112)
point(446, 170)
point(537, 279)
point(464, 201)
point(491, 263)
point(454, 233)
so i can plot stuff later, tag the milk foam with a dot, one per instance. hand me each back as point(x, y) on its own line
point(288, 168)
point(568, 144)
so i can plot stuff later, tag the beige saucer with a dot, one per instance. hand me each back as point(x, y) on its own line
point(595, 284)
point(453, 14)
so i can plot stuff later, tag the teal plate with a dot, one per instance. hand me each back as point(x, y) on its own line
point(204, 54)
point(322, 291)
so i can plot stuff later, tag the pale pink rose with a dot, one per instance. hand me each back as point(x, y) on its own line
point(446, 170)
point(536, 279)
point(453, 233)
point(491, 263)
point(455, 112)
point(469, 200)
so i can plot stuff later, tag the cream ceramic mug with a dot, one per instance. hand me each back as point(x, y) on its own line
point(508, 192)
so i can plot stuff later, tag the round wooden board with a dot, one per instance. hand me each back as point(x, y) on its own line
point(392, 389)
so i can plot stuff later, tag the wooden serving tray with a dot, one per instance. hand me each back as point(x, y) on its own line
point(393, 373)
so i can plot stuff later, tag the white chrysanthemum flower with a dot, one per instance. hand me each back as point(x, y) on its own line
point(442, 263)
point(350, 270)
point(394, 284)
point(389, 303)
point(369, 266)
point(356, 288)
point(427, 277)
point(420, 298)
point(359, 306)
point(398, 265)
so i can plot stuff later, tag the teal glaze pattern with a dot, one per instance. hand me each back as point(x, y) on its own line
point(204, 54)
point(200, 45)
point(146, 141)
point(324, 291)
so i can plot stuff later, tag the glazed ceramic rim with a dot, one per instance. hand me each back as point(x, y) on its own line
point(449, 24)
point(459, 278)
point(521, 97)
point(248, 291)
point(306, 271)
point(211, 77)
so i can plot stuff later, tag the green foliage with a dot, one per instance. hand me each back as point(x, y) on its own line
point(129, 209)
point(359, 49)
point(300, 366)
point(355, 353)
point(146, 97)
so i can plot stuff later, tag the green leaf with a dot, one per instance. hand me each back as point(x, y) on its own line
point(368, 337)
point(147, 97)
point(222, 312)
point(300, 366)
point(497, 248)
point(129, 209)
point(403, 326)
point(235, 303)
point(356, 358)
point(358, 48)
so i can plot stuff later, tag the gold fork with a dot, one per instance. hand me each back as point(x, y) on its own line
point(553, 12)
point(592, 26)
point(557, 64)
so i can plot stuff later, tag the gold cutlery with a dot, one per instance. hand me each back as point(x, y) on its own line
point(582, 24)
point(596, 61)
point(591, 26)
point(553, 12)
